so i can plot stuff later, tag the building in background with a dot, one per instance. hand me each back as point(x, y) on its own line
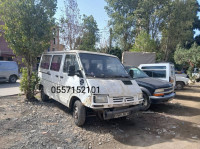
point(55, 42)
point(6, 54)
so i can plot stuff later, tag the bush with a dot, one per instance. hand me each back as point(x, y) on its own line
point(34, 82)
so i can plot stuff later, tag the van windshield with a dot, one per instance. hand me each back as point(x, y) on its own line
point(102, 66)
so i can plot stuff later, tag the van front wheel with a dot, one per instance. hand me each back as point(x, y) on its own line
point(79, 113)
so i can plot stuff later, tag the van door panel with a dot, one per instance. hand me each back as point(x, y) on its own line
point(66, 82)
point(55, 75)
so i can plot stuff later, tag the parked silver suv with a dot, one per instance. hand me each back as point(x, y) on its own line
point(8, 71)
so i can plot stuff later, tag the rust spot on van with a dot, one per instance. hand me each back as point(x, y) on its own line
point(87, 102)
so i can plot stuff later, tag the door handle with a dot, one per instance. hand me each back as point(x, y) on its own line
point(57, 76)
point(61, 77)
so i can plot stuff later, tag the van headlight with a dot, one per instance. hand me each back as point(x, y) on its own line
point(100, 99)
point(140, 96)
point(159, 90)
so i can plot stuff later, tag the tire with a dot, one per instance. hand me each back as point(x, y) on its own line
point(146, 102)
point(43, 96)
point(179, 85)
point(12, 79)
point(79, 113)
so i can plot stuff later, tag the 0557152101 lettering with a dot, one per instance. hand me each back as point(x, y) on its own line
point(77, 89)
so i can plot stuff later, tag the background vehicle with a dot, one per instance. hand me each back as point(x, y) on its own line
point(84, 80)
point(163, 71)
point(9, 71)
point(196, 74)
point(181, 81)
point(137, 58)
point(154, 90)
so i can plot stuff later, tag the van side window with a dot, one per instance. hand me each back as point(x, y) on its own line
point(70, 60)
point(154, 67)
point(45, 61)
point(56, 61)
point(156, 73)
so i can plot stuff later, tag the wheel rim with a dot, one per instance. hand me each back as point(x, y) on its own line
point(145, 102)
point(75, 112)
point(13, 79)
point(179, 86)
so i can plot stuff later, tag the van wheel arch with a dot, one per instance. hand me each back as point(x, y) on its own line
point(72, 101)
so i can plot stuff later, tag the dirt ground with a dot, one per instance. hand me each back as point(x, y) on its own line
point(50, 125)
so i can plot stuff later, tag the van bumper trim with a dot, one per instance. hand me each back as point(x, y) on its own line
point(112, 114)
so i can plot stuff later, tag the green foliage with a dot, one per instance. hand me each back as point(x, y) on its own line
point(33, 86)
point(149, 15)
point(168, 22)
point(122, 21)
point(177, 28)
point(90, 34)
point(116, 51)
point(189, 58)
point(28, 29)
point(144, 43)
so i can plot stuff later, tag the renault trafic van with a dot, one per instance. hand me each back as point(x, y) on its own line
point(83, 80)
point(163, 71)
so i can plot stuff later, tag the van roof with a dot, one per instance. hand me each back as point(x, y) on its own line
point(7, 61)
point(165, 63)
point(77, 51)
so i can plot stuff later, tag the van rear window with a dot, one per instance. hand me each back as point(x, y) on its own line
point(45, 61)
point(154, 67)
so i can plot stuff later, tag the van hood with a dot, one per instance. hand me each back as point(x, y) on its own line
point(115, 88)
point(154, 83)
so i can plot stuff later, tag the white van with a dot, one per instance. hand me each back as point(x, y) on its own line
point(9, 71)
point(83, 80)
point(163, 71)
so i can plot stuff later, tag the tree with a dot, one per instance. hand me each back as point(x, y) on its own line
point(144, 43)
point(149, 16)
point(188, 58)
point(28, 30)
point(71, 29)
point(90, 34)
point(177, 28)
point(122, 20)
point(116, 51)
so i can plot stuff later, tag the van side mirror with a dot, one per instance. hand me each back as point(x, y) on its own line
point(131, 73)
point(71, 70)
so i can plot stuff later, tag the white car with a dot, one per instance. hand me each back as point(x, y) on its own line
point(83, 80)
point(163, 71)
point(181, 81)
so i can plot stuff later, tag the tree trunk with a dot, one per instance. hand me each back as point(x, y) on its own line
point(29, 93)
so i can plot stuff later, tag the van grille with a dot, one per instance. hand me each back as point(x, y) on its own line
point(117, 99)
point(121, 99)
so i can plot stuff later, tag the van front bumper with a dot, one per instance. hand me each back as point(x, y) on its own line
point(121, 113)
point(160, 99)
